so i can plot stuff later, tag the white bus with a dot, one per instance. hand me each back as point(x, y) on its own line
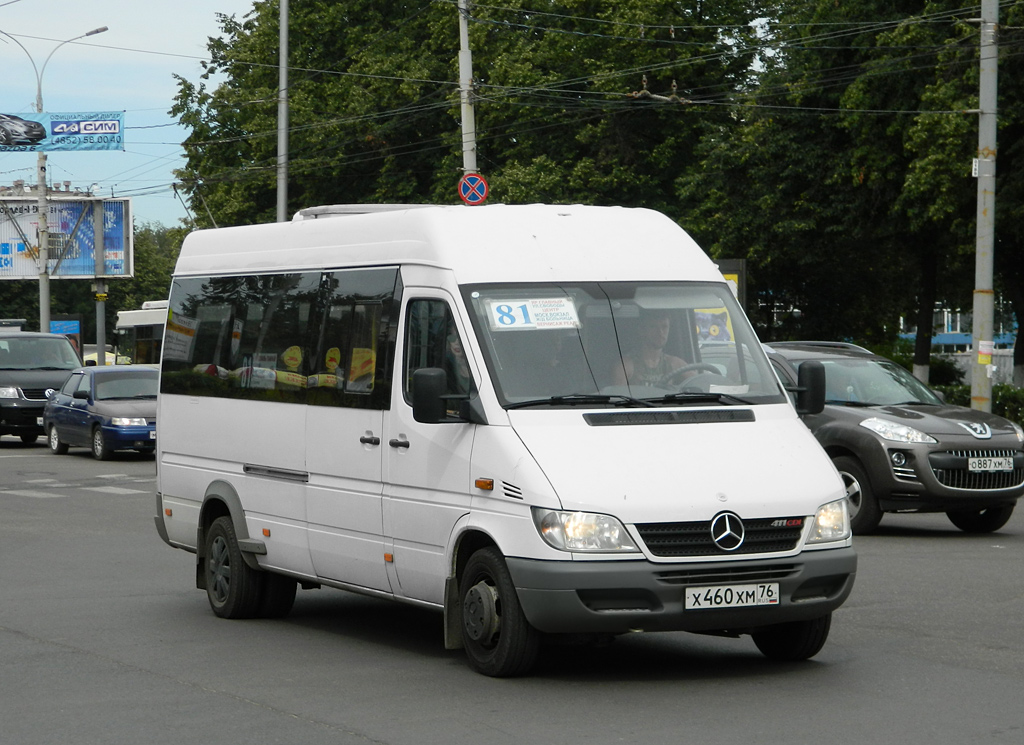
point(140, 334)
point(538, 420)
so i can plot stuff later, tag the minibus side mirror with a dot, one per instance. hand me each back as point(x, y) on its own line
point(429, 384)
point(810, 390)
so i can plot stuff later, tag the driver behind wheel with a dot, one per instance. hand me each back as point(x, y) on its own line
point(649, 364)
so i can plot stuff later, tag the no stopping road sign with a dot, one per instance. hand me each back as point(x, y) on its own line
point(473, 188)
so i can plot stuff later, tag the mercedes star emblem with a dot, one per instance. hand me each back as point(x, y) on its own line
point(727, 531)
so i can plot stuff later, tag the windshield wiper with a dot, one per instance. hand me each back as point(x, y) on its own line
point(581, 399)
point(837, 402)
point(698, 396)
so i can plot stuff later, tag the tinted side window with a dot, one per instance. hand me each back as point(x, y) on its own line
point(241, 337)
point(432, 340)
point(309, 337)
point(352, 361)
point(71, 384)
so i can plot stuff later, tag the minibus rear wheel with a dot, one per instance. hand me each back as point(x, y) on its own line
point(233, 588)
point(794, 641)
point(499, 641)
point(278, 596)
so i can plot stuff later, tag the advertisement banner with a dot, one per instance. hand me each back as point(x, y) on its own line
point(97, 130)
point(87, 237)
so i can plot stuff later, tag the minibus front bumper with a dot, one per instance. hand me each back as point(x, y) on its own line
point(621, 596)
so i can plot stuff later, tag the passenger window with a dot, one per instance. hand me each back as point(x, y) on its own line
point(432, 340)
point(241, 337)
point(353, 362)
point(311, 337)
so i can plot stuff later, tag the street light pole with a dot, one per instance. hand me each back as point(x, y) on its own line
point(43, 259)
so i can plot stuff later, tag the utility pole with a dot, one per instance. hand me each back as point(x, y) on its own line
point(466, 91)
point(983, 336)
point(282, 118)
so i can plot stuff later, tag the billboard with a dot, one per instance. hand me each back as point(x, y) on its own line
point(27, 133)
point(88, 237)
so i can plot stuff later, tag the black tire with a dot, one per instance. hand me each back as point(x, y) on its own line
point(100, 451)
point(29, 439)
point(792, 642)
point(234, 589)
point(865, 514)
point(981, 521)
point(57, 446)
point(278, 596)
point(499, 641)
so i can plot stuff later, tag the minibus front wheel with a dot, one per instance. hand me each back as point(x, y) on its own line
point(499, 641)
point(794, 641)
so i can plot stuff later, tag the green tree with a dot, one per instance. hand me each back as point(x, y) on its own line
point(374, 110)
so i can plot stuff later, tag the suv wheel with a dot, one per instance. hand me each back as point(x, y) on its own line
point(981, 521)
point(864, 511)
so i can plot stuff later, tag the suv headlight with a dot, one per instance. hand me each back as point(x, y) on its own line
point(831, 523)
point(582, 531)
point(1019, 431)
point(896, 432)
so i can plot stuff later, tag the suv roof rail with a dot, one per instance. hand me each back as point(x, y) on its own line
point(826, 344)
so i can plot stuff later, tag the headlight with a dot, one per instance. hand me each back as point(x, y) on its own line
point(8, 391)
point(895, 432)
point(831, 523)
point(126, 421)
point(582, 531)
point(1019, 431)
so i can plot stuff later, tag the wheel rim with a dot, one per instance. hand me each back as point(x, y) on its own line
point(854, 494)
point(97, 443)
point(481, 618)
point(54, 439)
point(219, 564)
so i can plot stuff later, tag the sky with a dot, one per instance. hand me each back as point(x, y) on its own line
point(129, 67)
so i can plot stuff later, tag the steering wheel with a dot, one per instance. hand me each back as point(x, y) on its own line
point(670, 377)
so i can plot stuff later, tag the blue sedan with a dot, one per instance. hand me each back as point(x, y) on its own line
point(105, 409)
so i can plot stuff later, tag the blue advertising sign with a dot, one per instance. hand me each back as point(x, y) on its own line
point(97, 130)
point(86, 238)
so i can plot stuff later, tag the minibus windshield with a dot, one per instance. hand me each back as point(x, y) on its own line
point(619, 344)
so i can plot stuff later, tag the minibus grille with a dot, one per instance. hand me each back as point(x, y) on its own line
point(761, 536)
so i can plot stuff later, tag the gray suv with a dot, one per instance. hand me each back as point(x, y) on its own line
point(31, 366)
point(900, 448)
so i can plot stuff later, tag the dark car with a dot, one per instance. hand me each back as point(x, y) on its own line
point(900, 448)
point(105, 409)
point(31, 365)
point(17, 131)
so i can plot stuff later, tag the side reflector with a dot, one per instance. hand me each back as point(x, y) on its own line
point(168, 512)
point(266, 532)
point(485, 484)
point(389, 558)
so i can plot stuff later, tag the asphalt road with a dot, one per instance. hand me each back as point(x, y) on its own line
point(105, 640)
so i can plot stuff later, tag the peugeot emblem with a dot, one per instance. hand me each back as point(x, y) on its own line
point(727, 531)
point(979, 429)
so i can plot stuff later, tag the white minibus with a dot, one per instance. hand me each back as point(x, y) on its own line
point(546, 422)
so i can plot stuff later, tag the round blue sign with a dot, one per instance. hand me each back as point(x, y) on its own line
point(473, 188)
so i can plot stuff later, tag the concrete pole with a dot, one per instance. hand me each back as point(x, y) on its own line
point(282, 117)
point(466, 91)
point(984, 306)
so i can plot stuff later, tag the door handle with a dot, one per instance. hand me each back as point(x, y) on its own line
point(399, 443)
point(369, 440)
